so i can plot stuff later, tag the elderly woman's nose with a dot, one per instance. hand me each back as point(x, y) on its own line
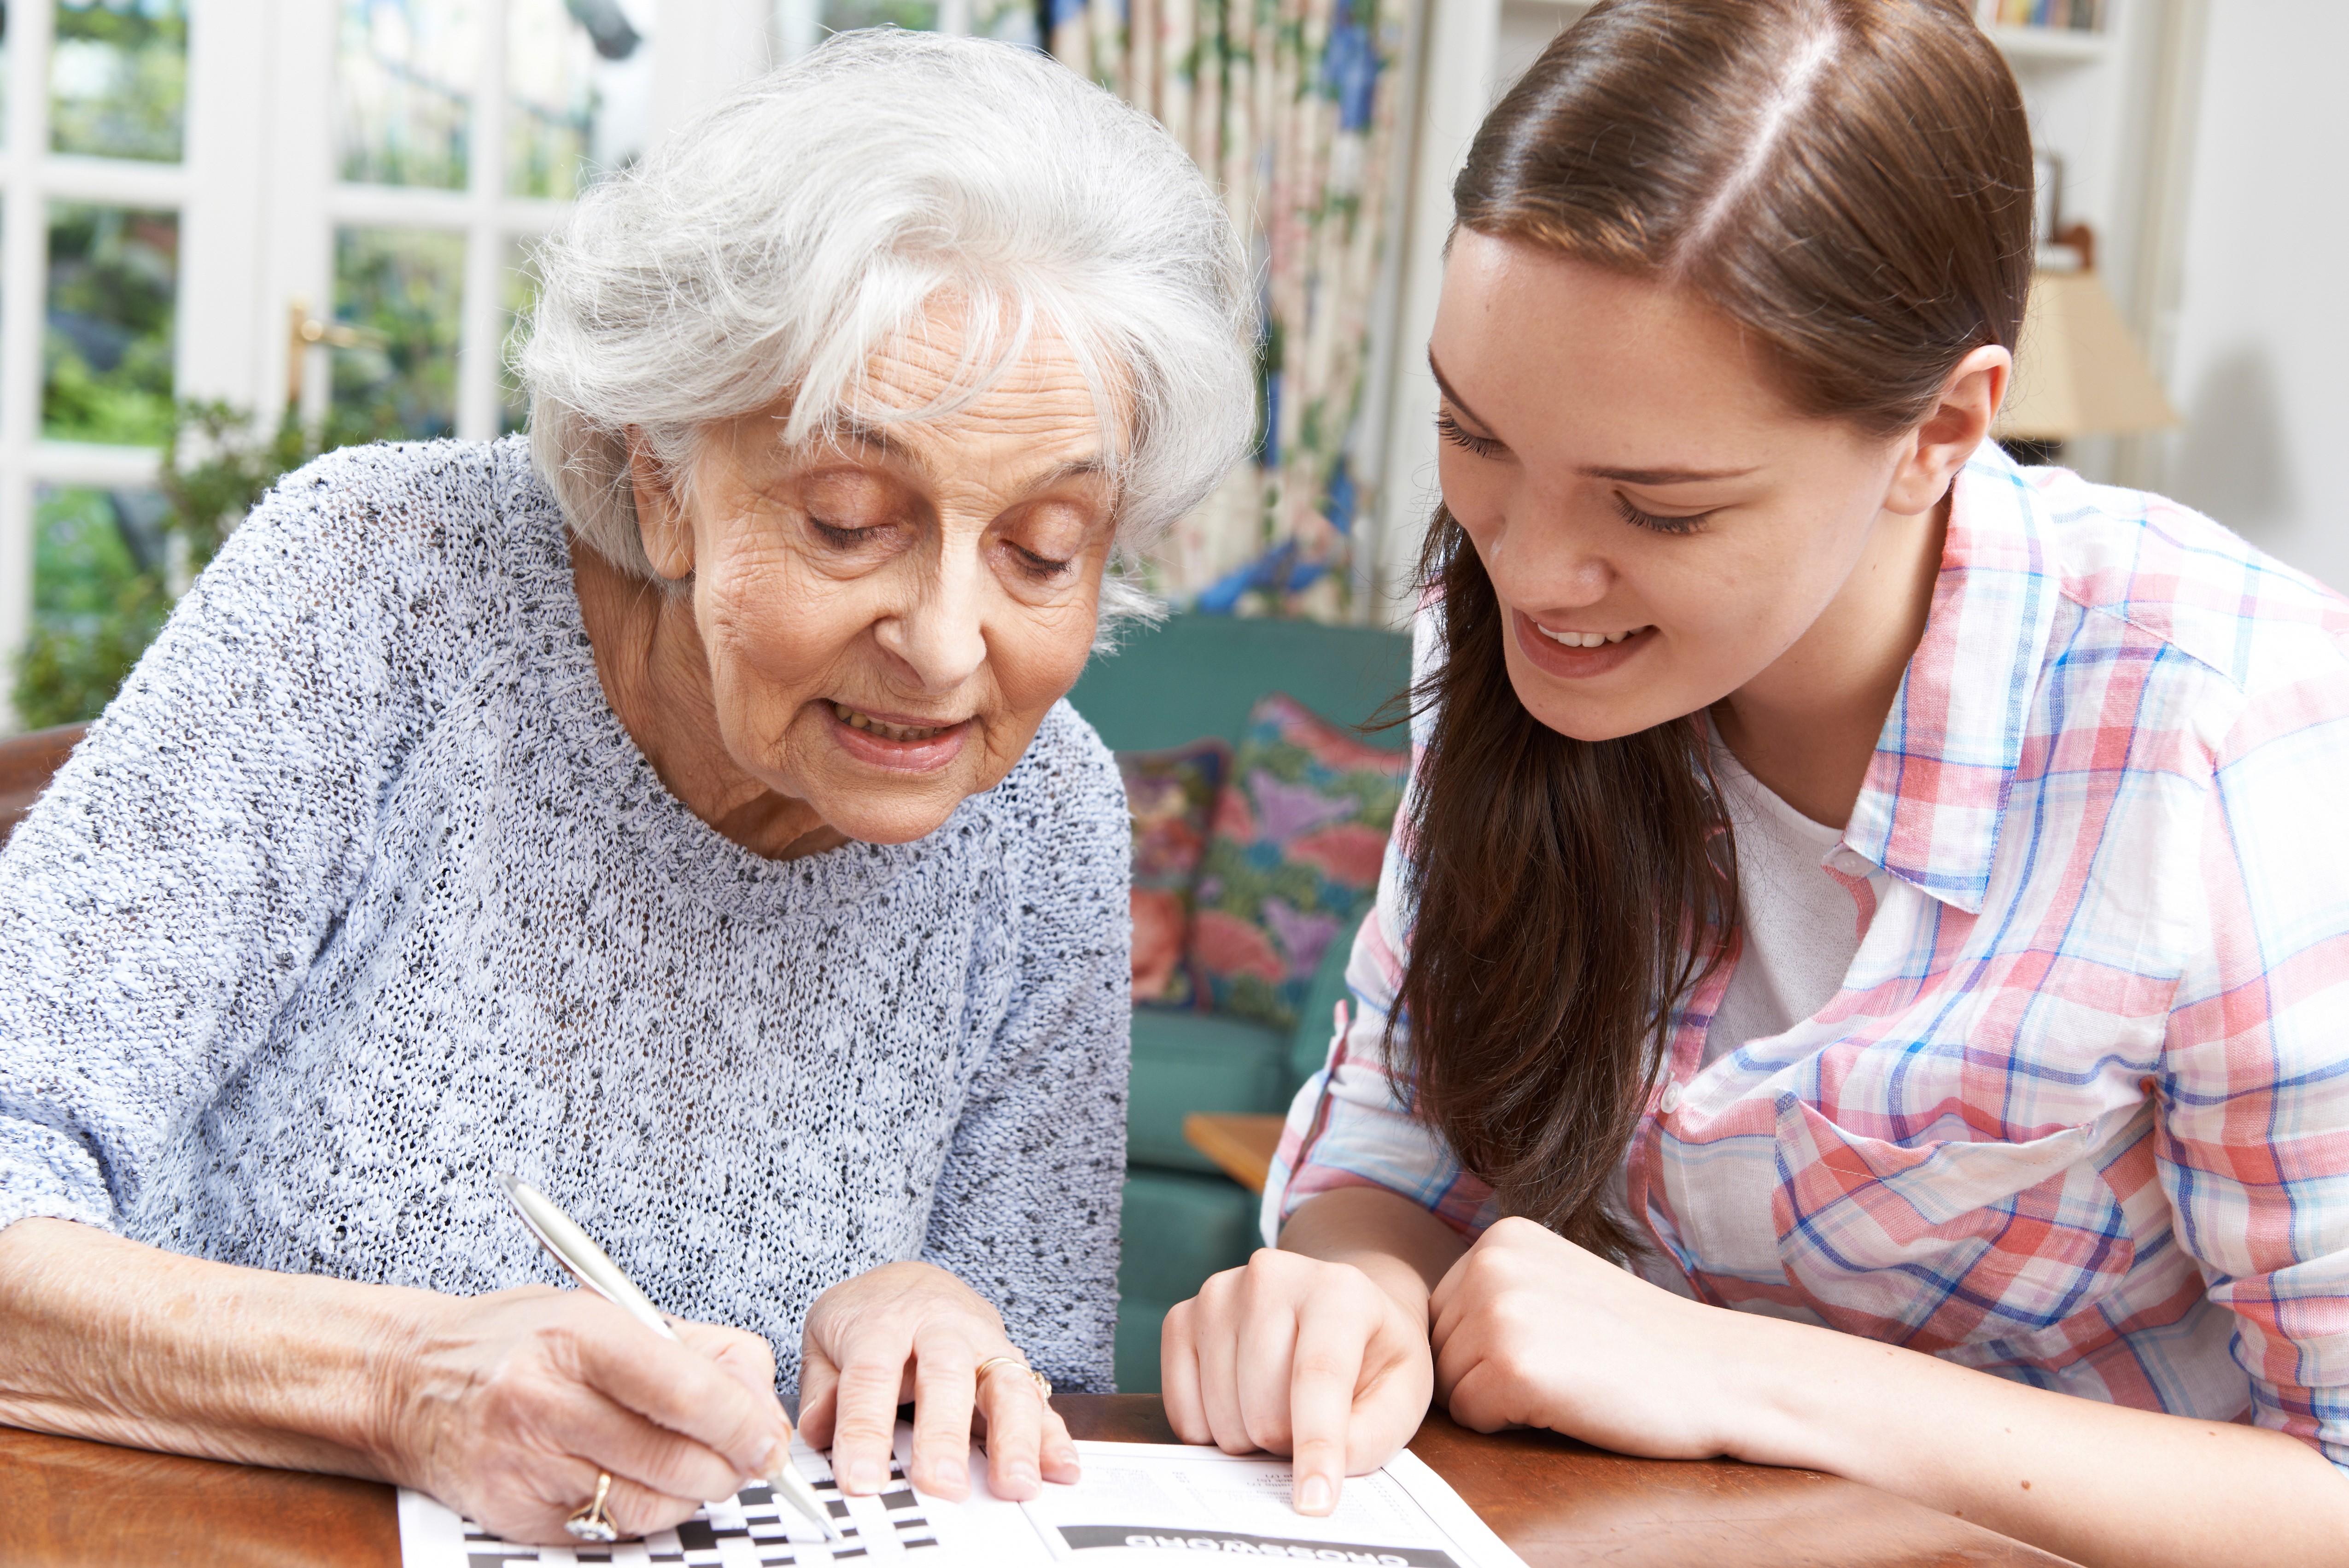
point(941, 638)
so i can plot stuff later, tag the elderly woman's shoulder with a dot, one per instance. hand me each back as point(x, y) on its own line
point(399, 539)
point(444, 498)
point(410, 559)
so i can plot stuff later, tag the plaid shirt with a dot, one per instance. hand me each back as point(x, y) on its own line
point(2080, 1114)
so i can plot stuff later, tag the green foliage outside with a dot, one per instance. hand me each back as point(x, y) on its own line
point(97, 602)
point(405, 103)
point(403, 286)
point(94, 609)
point(521, 302)
point(107, 353)
point(119, 79)
point(914, 16)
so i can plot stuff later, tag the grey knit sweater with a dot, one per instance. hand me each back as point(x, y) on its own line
point(359, 894)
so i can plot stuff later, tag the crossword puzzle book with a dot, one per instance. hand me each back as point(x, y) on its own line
point(1137, 1504)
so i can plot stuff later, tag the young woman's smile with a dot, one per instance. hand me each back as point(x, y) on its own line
point(1578, 655)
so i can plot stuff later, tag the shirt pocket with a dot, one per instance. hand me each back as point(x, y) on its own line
point(1940, 1244)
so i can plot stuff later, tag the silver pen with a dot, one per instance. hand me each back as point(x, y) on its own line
point(578, 1253)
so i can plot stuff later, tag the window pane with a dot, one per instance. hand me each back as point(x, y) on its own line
point(403, 101)
point(522, 295)
point(578, 77)
point(89, 548)
point(400, 287)
point(839, 16)
point(107, 359)
point(99, 568)
point(1012, 21)
point(118, 77)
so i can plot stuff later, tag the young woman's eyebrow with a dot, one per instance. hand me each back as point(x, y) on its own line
point(1622, 475)
point(1664, 475)
point(1450, 395)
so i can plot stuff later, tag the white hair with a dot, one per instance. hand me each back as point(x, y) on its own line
point(771, 247)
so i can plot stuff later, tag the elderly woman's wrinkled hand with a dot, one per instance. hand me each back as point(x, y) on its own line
point(912, 1331)
point(506, 1406)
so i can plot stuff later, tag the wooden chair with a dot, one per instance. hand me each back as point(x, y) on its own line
point(28, 764)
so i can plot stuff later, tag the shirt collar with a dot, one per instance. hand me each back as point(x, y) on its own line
point(1930, 809)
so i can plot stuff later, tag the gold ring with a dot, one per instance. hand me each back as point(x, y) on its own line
point(1043, 1383)
point(591, 1523)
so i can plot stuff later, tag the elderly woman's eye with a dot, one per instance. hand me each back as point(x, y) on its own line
point(1043, 568)
point(846, 538)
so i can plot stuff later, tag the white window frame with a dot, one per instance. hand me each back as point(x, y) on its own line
point(259, 205)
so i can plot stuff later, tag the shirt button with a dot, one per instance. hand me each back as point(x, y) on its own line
point(1672, 1100)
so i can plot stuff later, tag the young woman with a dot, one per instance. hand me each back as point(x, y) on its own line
point(1889, 900)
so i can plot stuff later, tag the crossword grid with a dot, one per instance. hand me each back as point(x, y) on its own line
point(754, 1518)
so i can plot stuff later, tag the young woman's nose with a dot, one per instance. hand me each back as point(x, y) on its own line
point(1552, 559)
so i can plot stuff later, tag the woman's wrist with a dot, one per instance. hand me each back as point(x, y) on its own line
point(1811, 1397)
point(129, 1344)
point(1394, 1275)
point(1783, 1385)
point(308, 1368)
point(1403, 1247)
point(397, 1400)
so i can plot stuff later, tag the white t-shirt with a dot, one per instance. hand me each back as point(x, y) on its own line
point(1799, 925)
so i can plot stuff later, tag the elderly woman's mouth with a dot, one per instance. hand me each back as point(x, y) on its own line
point(866, 722)
point(888, 743)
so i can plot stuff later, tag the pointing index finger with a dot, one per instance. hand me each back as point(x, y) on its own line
point(1325, 1368)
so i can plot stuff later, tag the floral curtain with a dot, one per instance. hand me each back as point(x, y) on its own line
point(1291, 108)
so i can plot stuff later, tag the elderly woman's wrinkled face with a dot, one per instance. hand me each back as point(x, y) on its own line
point(889, 619)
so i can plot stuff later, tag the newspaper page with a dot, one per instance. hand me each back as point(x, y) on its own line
point(1139, 1505)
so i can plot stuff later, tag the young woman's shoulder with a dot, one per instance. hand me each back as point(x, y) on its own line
point(2198, 594)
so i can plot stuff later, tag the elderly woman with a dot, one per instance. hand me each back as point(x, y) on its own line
point(679, 813)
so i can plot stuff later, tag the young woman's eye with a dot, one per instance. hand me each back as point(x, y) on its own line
point(1655, 523)
point(1450, 429)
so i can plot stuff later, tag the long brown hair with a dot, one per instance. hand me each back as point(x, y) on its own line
point(1850, 182)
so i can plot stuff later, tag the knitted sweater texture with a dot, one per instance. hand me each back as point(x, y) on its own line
point(359, 893)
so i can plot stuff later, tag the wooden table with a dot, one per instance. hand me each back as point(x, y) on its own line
point(1557, 1502)
point(28, 763)
point(1241, 1146)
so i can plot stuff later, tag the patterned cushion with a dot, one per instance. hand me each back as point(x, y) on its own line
point(1171, 795)
point(1300, 831)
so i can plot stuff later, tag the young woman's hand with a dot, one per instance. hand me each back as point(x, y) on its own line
point(1530, 1330)
point(1297, 1356)
point(913, 1331)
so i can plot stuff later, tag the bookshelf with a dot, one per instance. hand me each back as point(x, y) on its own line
point(2049, 46)
point(2048, 32)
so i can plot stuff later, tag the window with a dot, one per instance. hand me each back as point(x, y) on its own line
point(328, 204)
point(325, 203)
point(94, 188)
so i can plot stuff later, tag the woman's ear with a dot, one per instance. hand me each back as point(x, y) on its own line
point(1959, 423)
point(661, 523)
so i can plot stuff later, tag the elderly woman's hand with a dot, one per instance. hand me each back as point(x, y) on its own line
point(910, 1331)
point(506, 1406)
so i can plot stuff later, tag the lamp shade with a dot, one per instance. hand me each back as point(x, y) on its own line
point(2078, 372)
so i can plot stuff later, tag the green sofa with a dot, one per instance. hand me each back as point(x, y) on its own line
point(1199, 675)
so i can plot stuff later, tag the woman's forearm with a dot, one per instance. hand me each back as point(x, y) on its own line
point(1403, 1247)
point(105, 1338)
point(2094, 1482)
